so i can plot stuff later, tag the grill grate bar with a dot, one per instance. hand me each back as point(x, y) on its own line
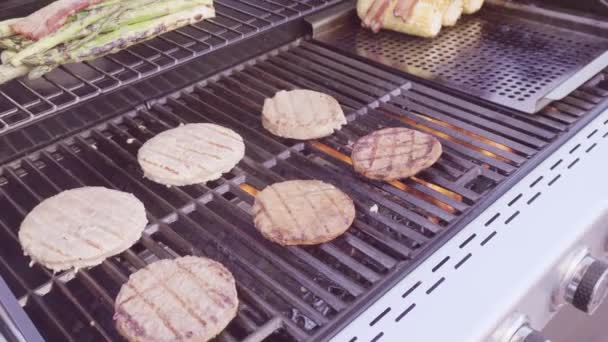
point(245, 293)
point(321, 71)
point(281, 291)
point(366, 81)
point(254, 241)
point(207, 97)
point(472, 123)
point(83, 274)
point(306, 170)
point(331, 275)
point(269, 94)
point(134, 259)
point(271, 257)
point(417, 121)
point(393, 114)
point(410, 183)
point(353, 98)
point(58, 283)
point(37, 300)
point(508, 119)
point(355, 64)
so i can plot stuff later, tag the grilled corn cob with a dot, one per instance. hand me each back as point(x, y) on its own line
point(452, 10)
point(472, 6)
point(424, 20)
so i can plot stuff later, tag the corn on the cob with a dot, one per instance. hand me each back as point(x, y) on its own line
point(452, 10)
point(472, 6)
point(424, 20)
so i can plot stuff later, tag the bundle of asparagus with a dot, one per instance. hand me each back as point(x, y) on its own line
point(102, 28)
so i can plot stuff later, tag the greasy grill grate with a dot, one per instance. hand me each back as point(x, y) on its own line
point(294, 293)
point(497, 57)
point(23, 100)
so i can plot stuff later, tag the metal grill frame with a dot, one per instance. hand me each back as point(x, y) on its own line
point(561, 122)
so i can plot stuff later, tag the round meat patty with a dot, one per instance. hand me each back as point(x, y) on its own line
point(185, 299)
point(302, 212)
point(394, 153)
point(82, 227)
point(302, 114)
point(191, 154)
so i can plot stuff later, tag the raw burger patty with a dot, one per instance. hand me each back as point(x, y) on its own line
point(394, 153)
point(185, 299)
point(302, 114)
point(302, 212)
point(191, 154)
point(82, 227)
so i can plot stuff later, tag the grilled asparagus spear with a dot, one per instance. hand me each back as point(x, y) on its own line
point(108, 23)
point(105, 4)
point(40, 71)
point(6, 55)
point(136, 33)
point(98, 31)
point(155, 9)
point(64, 34)
point(6, 27)
point(16, 43)
point(124, 36)
point(9, 72)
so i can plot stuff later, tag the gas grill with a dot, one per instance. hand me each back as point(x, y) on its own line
point(446, 245)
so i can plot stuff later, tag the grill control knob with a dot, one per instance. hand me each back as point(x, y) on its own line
point(525, 333)
point(588, 285)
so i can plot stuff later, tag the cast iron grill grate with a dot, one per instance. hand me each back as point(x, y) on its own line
point(500, 58)
point(295, 293)
point(23, 101)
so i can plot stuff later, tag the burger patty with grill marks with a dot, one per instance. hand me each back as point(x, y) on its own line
point(302, 114)
point(191, 154)
point(394, 153)
point(302, 212)
point(82, 227)
point(185, 299)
